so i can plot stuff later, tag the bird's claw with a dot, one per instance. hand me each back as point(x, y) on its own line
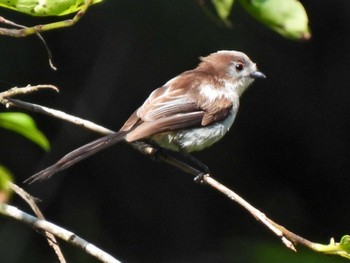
point(199, 179)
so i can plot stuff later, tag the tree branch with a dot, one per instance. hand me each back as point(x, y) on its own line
point(59, 232)
point(23, 90)
point(59, 115)
point(30, 200)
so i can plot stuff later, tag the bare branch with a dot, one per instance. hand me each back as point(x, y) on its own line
point(252, 210)
point(11, 23)
point(30, 200)
point(23, 90)
point(59, 232)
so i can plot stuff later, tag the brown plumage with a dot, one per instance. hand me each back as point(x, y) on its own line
point(189, 113)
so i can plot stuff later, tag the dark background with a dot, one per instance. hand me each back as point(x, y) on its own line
point(287, 153)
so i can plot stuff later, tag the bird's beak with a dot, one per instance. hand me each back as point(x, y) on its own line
point(257, 75)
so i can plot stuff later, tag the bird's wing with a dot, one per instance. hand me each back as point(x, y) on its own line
point(177, 101)
point(219, 110)
point(169, 123)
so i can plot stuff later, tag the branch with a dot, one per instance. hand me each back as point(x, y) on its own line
point(9, 31)
point(21, 91)
point(59, 232)
point(30, 200)
point(25, 90)
point(252, 210)
point(288, 238)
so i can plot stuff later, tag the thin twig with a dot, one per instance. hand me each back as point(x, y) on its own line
point(30, 200)
point(23, 90)
point(5, 98)
point(251, 209)
point(11, 23)
point(59, 232)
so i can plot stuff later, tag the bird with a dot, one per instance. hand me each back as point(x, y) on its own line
point(189, 113)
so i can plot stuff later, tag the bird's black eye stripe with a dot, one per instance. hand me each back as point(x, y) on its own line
point(239, 66)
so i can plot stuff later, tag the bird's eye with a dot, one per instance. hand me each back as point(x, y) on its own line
point(239, 66)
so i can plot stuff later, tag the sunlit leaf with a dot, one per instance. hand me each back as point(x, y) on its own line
point(24, 125)
point(286, 17)
point(45, 8)
point(345, 244)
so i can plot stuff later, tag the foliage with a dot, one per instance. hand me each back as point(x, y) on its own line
point(46, 7)
point(287, 17)
point(24, 125)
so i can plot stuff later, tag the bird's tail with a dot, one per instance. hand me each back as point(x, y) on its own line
point(77, 155)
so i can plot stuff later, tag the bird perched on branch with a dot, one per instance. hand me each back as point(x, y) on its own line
point(188, 113)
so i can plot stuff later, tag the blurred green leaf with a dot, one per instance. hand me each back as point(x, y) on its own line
point(5, 178)
point(287, 17)
point(223, 8)
point(24, 125)
point(345, 243)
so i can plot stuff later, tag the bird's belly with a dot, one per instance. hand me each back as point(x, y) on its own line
point(194, 139)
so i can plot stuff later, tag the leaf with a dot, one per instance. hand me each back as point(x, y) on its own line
point(24, 125)
point(345, 244)
point(223, 8)
point(5, 178)
point(45, 8)
point(287, 17)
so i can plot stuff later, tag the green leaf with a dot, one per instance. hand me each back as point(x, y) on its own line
point(45, 8)
point(5, 178)
point(223, 8)
point(287, 17)
point(24, 125)
point(345, 244)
